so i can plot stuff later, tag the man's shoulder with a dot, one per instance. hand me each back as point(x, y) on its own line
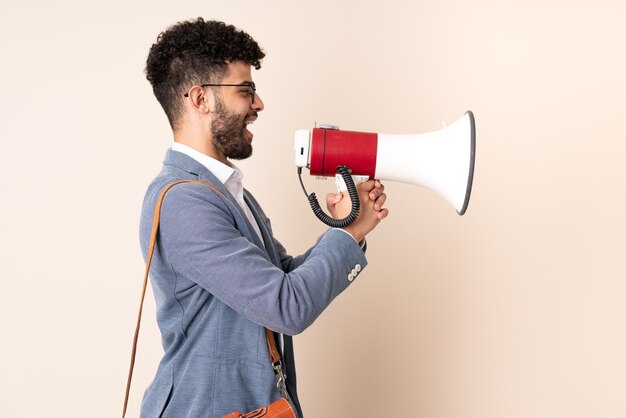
point(184, 205)
point(166, 176)
point(184, 187)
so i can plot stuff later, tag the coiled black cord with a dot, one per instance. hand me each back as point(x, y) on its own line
point(352, 192)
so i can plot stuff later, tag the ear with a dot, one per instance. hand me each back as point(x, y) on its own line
point(201, 99)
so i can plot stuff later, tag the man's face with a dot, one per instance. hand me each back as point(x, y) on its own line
point(234, 110)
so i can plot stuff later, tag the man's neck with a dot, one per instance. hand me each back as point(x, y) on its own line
point(200, 142)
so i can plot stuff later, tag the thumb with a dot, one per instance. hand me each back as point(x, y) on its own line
point(333, 198)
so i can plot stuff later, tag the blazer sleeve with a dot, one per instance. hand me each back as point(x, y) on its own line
point(199, 234)
point(288, 262)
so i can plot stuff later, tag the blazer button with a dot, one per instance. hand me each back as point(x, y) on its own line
point(350, 277)
point(354, 272)
point(357, 267)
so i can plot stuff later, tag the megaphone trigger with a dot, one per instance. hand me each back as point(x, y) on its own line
point(341, 184)
point(354, 200)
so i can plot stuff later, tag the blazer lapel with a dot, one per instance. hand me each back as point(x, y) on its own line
point(267, 236)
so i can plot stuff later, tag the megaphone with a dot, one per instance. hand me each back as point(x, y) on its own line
point(442, 161)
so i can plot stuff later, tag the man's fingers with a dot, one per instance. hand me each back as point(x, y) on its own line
point(383, 214)
point(377, 190)
point(378, 205)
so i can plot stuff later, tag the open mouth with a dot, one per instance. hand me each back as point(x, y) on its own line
point(246, 123)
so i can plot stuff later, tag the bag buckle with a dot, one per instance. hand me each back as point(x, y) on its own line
point(280, 378)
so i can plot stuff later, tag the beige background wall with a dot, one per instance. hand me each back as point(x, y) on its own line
point(516, 310)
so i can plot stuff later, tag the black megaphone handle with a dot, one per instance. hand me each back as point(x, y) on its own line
point(354, 197)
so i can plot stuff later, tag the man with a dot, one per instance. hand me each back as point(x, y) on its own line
point(218, 274)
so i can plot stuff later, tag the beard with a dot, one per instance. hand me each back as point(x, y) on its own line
point(227, 131)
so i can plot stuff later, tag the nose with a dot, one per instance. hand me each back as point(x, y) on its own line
point(257, 105)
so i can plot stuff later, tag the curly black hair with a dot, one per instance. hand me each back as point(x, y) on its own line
point(195, 52)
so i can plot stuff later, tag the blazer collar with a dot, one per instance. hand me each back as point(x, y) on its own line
point(194, 168)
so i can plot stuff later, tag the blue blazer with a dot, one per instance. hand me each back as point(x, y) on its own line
point(217, 287)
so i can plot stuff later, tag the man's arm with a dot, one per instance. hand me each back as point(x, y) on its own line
point(372, 200)
point(200, 238)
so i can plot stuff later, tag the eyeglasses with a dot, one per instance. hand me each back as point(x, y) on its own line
point(249, 84)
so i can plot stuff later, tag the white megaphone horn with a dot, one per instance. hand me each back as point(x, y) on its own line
point(442, 161)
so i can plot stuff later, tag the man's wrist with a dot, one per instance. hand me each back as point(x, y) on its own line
point(355, 234)
point(358, 237)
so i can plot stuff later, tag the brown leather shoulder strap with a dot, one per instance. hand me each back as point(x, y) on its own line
point(274, 353)
point(271, 346)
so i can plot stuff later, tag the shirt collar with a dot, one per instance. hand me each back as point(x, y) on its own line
point(220, 170)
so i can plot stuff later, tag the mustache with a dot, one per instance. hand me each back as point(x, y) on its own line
point(252, 115)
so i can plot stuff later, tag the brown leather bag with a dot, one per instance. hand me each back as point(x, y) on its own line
point(281, 408)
